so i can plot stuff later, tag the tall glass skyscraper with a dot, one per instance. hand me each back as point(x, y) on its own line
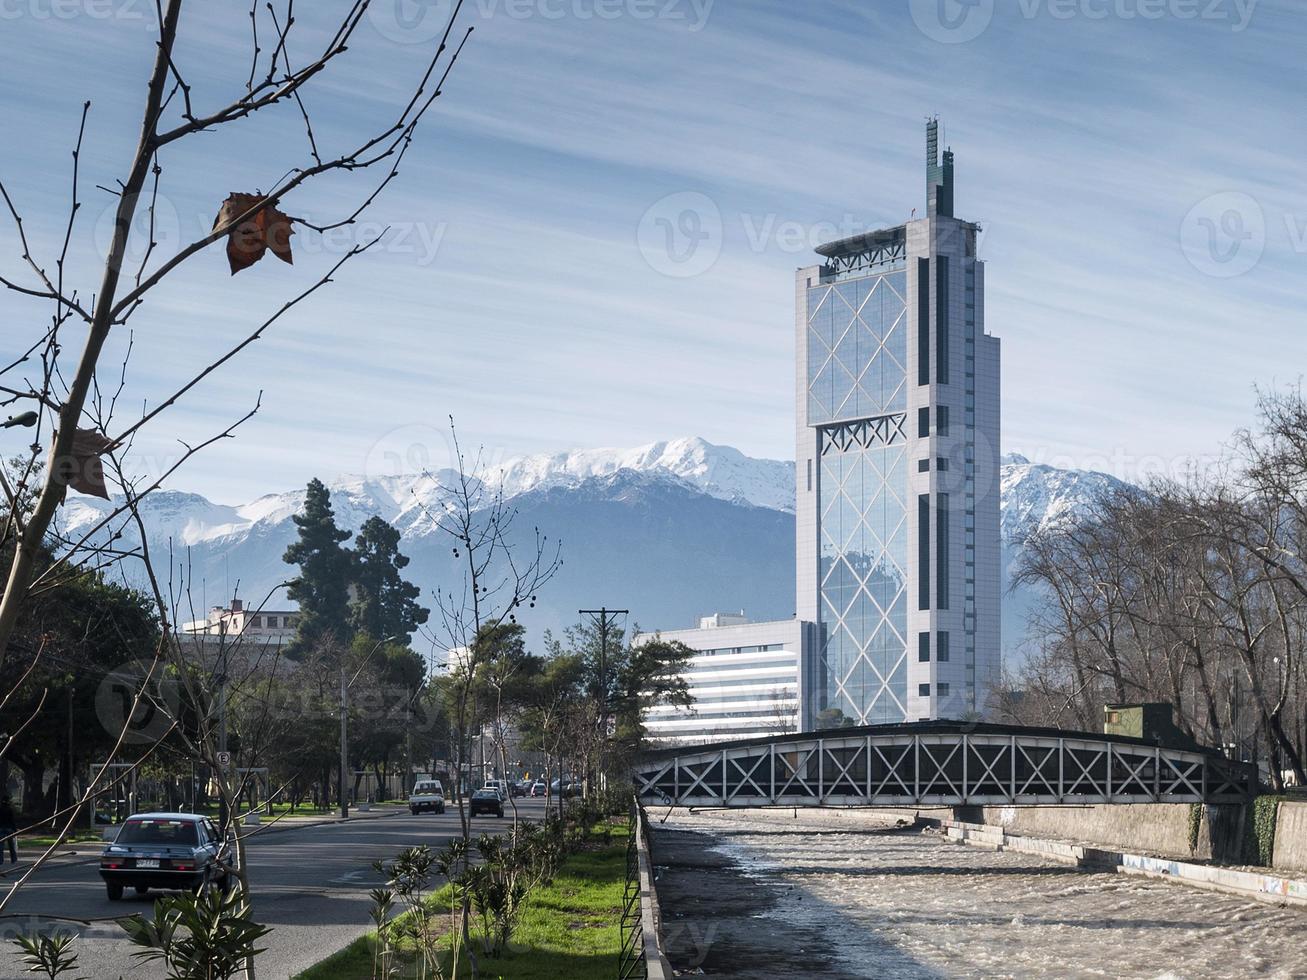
point(898, 478)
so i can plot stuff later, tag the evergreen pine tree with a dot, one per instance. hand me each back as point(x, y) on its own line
point(384, 604)
point(322, 587)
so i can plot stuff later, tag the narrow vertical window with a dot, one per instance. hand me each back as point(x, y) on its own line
point(923, 321)
point(923, 423)
point(941, 420)
point(941, 646)
point(923, 647)
point(941, 319)
point(810, 476)
point(941, 550)
point(923, 551)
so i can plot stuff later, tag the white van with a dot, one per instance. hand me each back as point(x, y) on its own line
point(427, 794)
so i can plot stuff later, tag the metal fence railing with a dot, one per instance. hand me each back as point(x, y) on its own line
point(641, 953)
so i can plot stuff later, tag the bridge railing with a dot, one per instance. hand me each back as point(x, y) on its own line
point(941, 764)
point(641, 954)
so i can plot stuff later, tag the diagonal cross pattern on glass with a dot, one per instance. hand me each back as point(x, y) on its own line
point(863, 581)
point(857, 348)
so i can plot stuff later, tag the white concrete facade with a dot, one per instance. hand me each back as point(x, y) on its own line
point(744, 682)
point(275, 626)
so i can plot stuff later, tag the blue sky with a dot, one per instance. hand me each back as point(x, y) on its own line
point(1136, 165)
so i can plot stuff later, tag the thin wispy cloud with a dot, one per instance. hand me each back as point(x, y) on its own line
point(514, 291)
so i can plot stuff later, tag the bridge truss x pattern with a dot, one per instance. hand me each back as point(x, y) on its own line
point(943, 764)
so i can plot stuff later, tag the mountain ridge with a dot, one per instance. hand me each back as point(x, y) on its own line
point(687, 527)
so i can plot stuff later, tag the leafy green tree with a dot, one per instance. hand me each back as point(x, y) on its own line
point(619, 680)
point(390, 680)
point(322, 587)
point(554, 719)
point(832, 718)
point(67, 642)
point(384, 604)
point(504, 668)
point(624, 679)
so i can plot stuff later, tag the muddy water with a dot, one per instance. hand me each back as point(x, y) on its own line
point(750, 900)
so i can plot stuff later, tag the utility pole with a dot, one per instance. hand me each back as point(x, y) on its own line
point(344, 741)
point(603, 618)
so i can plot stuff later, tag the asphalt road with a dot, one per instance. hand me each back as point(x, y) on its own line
point(310, 884)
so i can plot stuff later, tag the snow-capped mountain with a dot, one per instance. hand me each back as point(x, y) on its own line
point(674, 530)
point(1036, 496)
point(407, 501)
point(718, 471)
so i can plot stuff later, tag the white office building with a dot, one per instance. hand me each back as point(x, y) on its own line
point(744, 681)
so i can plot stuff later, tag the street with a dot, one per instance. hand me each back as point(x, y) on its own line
point(310, 884)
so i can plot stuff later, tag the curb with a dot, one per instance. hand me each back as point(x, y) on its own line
point(1262, 887)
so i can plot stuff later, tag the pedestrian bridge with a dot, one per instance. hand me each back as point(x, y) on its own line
point(940, 764)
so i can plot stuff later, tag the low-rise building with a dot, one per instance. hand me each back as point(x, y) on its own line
point(743, 680)
point(259, 625)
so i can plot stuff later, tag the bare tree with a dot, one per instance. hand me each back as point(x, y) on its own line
point(1193, 592)
point(76, 404)
point(501, 575)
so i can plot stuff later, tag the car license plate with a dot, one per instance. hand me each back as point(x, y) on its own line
point(147, 862)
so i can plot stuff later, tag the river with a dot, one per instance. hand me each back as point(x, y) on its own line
point(758, 900)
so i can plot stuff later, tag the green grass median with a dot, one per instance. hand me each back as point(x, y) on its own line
point(568, 927)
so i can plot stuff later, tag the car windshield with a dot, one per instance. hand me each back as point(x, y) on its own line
point(428, 788)
point(158, 832)
point(485, 794)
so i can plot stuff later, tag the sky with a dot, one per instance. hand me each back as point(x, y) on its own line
point(592, 242)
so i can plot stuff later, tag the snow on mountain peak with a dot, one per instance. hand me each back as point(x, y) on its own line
point(1036, 496)
point(406, 500)
point(719, 471)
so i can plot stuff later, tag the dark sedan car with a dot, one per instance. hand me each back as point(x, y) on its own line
point(486, 801)
point(165, 850)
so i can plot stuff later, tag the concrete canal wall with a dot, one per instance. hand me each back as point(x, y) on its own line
point(1209, 833)
point(1291, 837)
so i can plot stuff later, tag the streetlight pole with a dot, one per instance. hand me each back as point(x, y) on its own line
point(408, 738)
point(344, 720)
point(224, 811)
